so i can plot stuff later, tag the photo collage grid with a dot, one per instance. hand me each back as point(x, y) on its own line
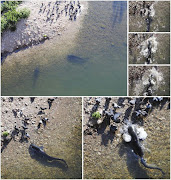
point(85, 89)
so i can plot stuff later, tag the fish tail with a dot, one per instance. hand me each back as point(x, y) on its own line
point(58, 159)
point(151, 167)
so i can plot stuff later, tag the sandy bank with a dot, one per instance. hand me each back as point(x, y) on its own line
point(107, 156)
point(46, 21)
point(61, 137)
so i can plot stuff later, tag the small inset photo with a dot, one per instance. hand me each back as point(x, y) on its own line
point(149, 48)
point(149, 81)
point(149, 16)
point(126, 138)
point(41, 138)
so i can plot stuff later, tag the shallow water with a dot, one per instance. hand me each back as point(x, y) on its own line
point(106, 156)
point(61, 138)
point(101, 41)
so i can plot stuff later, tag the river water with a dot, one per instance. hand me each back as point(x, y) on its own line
point(101, 42)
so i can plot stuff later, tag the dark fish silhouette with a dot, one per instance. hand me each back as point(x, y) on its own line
point(138, 150)
point(35, 76)
point(39, 152)
point(76, 59)
point(119, 7)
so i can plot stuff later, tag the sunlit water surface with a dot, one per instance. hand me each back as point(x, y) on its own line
point(101, 42)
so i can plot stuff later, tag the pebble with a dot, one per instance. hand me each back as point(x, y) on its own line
point(99, 121)
point(162, 119)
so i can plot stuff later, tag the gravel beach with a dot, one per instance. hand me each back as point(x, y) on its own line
point(46, 20)
point(107, 155)
point(58, 129)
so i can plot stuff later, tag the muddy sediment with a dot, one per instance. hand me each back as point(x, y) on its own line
point(107, 156)
point(60, 136)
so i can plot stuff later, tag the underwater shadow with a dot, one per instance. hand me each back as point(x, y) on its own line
point(106, 137)
point(35, 76)
point(5, 144)
point(76, 59)
point(45, 162)
point(119, 7)
point(134, 168)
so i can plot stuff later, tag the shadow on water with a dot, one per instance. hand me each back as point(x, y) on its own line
point(134, 168)
point(35, 76)
point(45, 162)
point(119, 7)
point(76, 60)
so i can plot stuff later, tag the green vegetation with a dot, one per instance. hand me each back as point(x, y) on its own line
point(10, 16)
point(9, 5)
point(96, 115)
point(5, 134)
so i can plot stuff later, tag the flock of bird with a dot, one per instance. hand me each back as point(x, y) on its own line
point(54, 11)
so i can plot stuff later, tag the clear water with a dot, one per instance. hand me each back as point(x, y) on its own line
point(101, 41)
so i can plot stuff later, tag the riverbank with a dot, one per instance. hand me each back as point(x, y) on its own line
point(95, 41)
point(21, 117)
point(46, 21)
point(107, 156)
